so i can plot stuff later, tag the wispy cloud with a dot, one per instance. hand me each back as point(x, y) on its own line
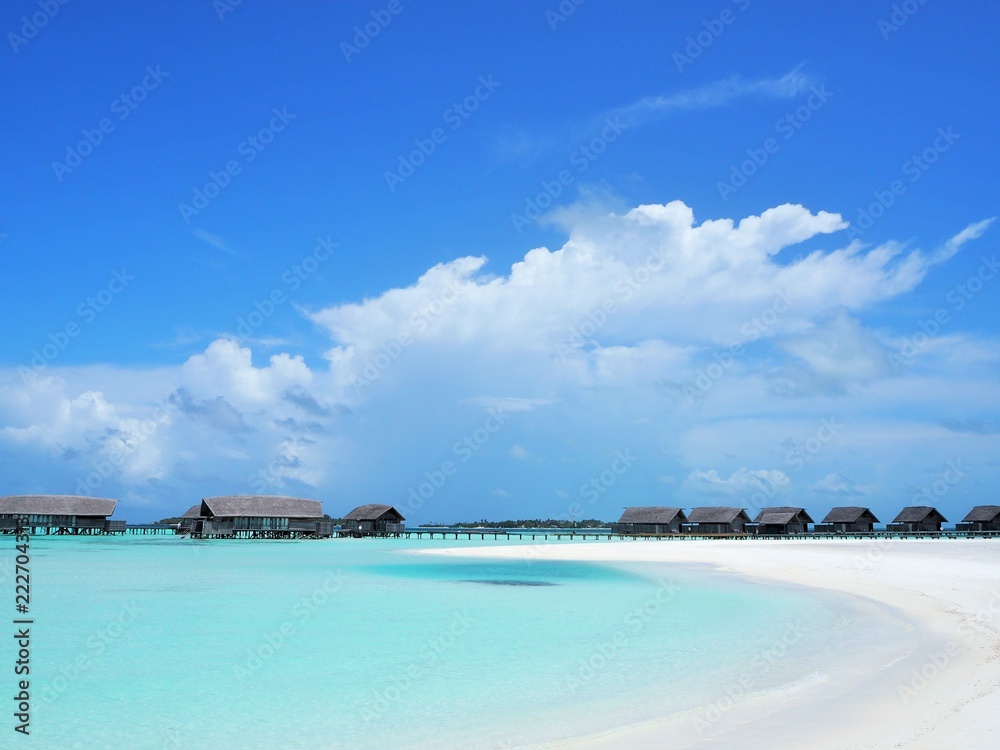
point(717, 94)
point(214, 240)
point(507, 403)
point(181, 339)
point(953, 245)
point(522, 144)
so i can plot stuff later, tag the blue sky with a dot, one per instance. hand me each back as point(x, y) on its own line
point(501, 260)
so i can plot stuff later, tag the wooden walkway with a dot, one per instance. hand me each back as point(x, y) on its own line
point(598, 535)
point(502, 534)
point(150, 528)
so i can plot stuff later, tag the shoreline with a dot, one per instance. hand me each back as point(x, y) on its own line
point(946, 693)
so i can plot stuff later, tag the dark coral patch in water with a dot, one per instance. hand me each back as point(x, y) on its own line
point(508, 582)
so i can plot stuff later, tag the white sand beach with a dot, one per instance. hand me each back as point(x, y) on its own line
point(944, 694)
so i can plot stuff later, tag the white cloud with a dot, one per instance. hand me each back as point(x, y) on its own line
point(214, 240)
point(831, 357)
point(741, 483)
point(718, 94)
point(839, 485)
point(576, 347)
point(225, 369)
point(510, 404)
point(520, 143)
point(649, 284)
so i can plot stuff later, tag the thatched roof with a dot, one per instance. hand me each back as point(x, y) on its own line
point(654, 514)
point(260, 506)
point(193, 512)
point(782, 516)
point(373, 512)
point(717, 515)
point(918, 513)
point(849, 514)
point(56, 505)
point(983, 514)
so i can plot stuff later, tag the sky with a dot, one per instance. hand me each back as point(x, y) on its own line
point(501, 260)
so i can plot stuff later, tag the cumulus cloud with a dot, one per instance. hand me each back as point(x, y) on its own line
point(567, 344)
point(225, 369)
point(832, 357)
point(839, 485)
point(741, 483)
point(216, 412)
point(650, 278)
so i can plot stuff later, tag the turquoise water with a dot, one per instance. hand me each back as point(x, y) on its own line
point(164, 642)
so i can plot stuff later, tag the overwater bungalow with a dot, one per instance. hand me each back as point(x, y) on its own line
point(846, 520)
point(59, 514)
point(257, 517)
point(649, 520)
point(781, 520)
point(373, 519)
point(187, 520)
point(716, 520)
point(981, 518)
point(917, 518)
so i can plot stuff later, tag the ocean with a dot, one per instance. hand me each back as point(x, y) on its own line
point(165, 642)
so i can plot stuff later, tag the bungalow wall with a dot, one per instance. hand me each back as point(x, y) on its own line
point(783, 528)
point(979, 525)
point(736, 527)
point(646, 528)
point(266, 525)
point(381, 526)
point(914, 526)
point(844, 527)
point(83, 523)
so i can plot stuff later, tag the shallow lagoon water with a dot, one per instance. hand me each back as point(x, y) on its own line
point(164, 642)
